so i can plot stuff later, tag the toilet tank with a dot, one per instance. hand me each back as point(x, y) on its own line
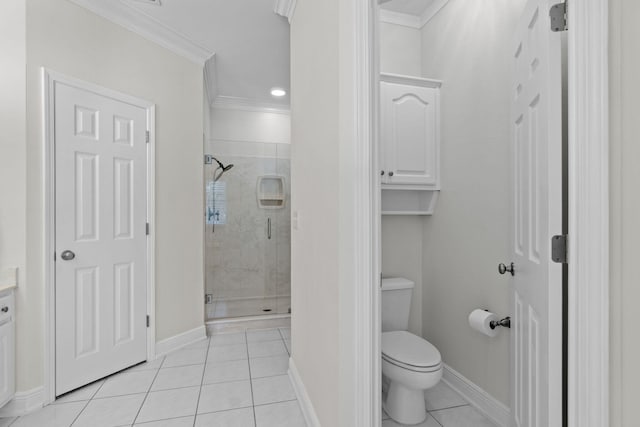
point(396, 303)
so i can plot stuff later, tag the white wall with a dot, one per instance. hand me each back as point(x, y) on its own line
point(314, 196)
point(71, 40)
point(12, 143)
point(400, 49)
point(467, 45)
point(625, 210)
point(246, 125)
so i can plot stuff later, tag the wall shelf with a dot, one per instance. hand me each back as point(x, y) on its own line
point(408, 202)
point(271, 192)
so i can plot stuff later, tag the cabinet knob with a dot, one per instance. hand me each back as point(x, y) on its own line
point(390, 173)
point(5, 309)
point(382, 173)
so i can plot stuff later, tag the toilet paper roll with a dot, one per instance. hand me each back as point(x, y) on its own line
point(480, 321)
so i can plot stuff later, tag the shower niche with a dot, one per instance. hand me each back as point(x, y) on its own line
point(247, 230)
point(271, 192)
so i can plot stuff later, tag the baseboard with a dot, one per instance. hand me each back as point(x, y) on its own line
point(23, 402)
point(303, 398)
point(477, 397)
point(181, 340)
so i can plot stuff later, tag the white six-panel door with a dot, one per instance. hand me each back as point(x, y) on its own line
point(536, 137)
point(100, 221)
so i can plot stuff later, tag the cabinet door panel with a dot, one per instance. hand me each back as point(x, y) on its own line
point(7, 362)
point(410, 134)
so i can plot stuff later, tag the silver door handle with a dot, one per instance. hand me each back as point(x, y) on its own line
point(67, 255)
point(502, 269)
point(269, 228)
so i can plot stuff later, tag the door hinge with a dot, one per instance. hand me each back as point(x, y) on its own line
point(147, 136)
point(559, 249)
point(148, 320)
point(558, 15)
point(147, 228)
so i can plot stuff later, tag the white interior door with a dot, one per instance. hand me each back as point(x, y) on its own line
point(100, 208)
point(536, 354)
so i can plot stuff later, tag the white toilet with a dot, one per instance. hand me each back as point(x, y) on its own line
point(409, 363)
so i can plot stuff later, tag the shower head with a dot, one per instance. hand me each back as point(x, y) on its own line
point(226, 168)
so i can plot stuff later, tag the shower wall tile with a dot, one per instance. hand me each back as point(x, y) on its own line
point(241, 263)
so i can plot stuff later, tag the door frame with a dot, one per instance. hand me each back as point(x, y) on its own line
point(49, 79)
point(588, 214)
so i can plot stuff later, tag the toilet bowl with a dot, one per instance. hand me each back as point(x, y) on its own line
point(410, 364)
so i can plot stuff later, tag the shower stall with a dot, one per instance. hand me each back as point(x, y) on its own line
point(247, 230)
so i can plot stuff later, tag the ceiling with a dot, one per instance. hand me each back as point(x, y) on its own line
point(409, 7)
point(248, 41)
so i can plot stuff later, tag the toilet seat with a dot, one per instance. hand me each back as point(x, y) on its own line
point(408, 351)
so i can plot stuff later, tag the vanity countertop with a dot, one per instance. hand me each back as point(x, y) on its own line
point(8, 279)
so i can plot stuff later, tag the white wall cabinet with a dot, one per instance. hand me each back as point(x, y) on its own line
point(410, 144)
point(7, 347)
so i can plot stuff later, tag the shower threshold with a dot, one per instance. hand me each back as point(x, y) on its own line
point(239, 324)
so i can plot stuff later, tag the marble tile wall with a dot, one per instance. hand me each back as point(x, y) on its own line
point(241, 262)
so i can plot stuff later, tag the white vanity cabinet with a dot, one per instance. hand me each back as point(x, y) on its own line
point(7, 346)
point(410, 144)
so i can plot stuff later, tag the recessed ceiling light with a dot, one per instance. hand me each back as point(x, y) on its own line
point(278, 92)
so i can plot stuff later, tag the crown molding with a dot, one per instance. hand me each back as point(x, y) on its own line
point(285, 8)
point(412, 21)
point(432, 11)
point(397, 18)
point(244, 104)
point(210, 81)
point(150, 28)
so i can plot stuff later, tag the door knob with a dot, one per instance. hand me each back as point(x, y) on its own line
point(502, 269)
point(67, 255)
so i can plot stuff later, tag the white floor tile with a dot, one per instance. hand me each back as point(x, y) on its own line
point(178, 377)
point(172, 422)
point(263, 335)
point(232, 418)
point(287, 343)
point(5, 422)
point(429, 422)
point(232, 370)
point(269, 366)
point(161, 405)
point(286, 333)
point(272, 390)
point(385, 416)
point(110, 412)
point(154, 364)
point(82, 394)
point(51, 416)
point(223, 396)
point(267, 348)
point(227, 352)
point(442, 396)
point(463, 416)
point(228, 339)
point(283, 414)
point(191, 356)
point(203, 343)
point(126, 383)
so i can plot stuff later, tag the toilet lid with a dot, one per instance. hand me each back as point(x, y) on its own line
point(409, 349)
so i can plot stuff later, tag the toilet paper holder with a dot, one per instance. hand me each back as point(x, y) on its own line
point(505, 323)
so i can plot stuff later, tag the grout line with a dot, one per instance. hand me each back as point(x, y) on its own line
point(204, 369)
point(279, 401)
point(449, 407)
point(435, 419)
point(253, 407)
point(163, 419)
point(86, 404)
point(148, 391)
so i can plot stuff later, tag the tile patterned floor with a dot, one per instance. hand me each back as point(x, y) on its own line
point(228, 380)
point(446, 408)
